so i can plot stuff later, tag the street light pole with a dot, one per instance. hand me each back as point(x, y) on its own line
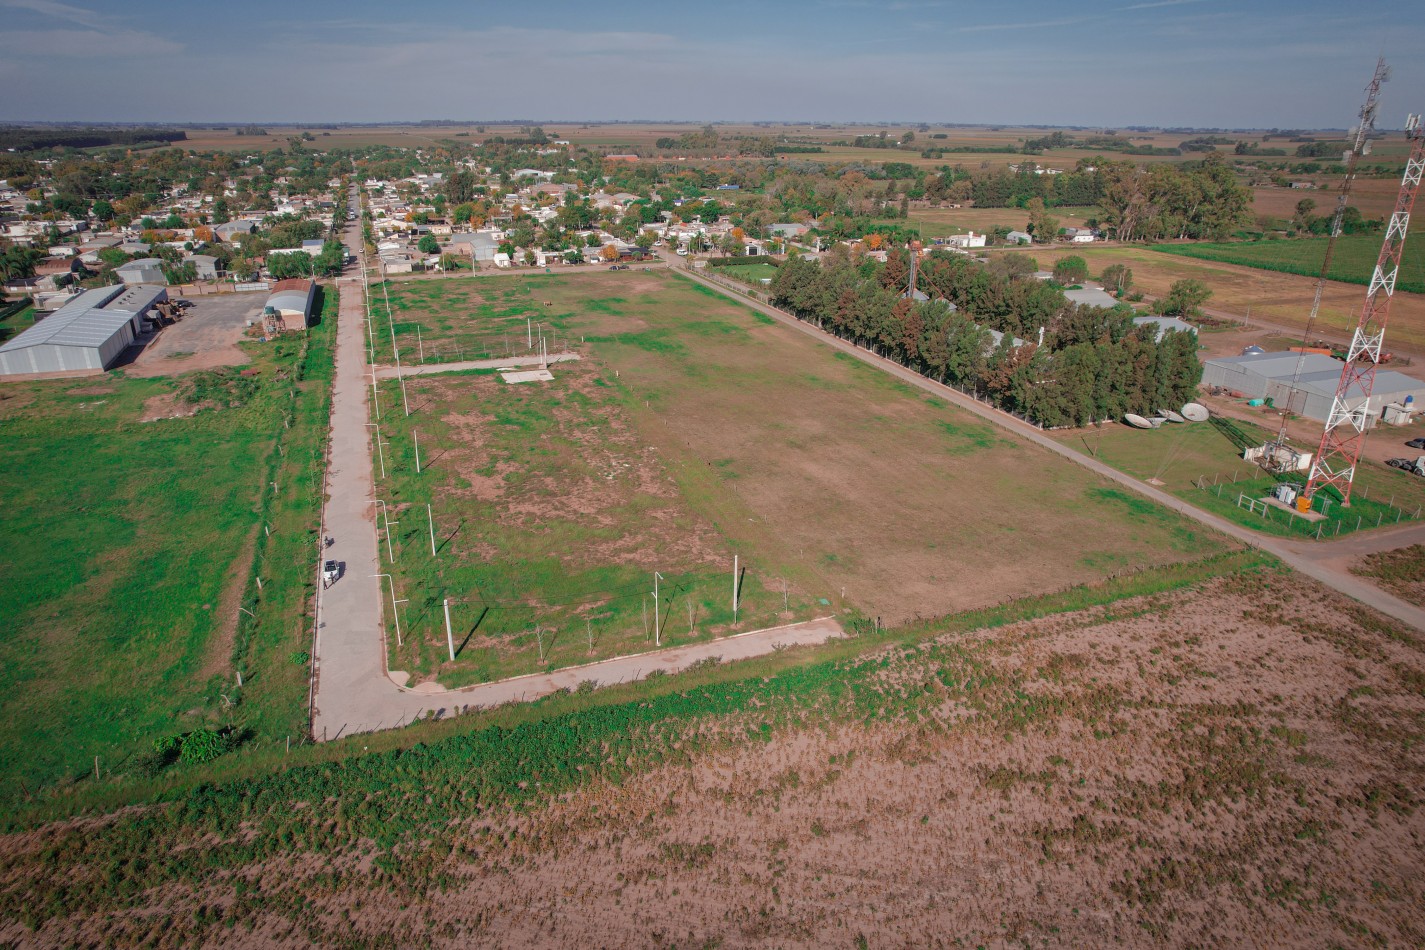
point(657, 633)
point(449, 637)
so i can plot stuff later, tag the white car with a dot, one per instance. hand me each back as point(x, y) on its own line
point(682, 252)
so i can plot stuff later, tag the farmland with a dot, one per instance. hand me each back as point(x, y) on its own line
point(1353, 261)
point(661, 451)
point(1205, 759)
point(135, 516)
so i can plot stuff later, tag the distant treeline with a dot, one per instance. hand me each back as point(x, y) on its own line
point(1094, 363)
point(28, 139)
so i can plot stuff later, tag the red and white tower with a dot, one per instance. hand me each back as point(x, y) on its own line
point(1345, 432)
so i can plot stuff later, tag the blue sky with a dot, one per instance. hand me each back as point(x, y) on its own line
point(1223, 63)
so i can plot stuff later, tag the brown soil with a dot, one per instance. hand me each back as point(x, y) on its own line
point(1234, 765)
point(1402, 571)
point(218, 656)
point(167, 406)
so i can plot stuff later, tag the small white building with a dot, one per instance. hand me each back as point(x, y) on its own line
point(966, 240)
point(1019, 237)
point(1080, 235)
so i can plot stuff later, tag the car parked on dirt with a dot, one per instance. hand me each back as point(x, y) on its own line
point(1415, 444)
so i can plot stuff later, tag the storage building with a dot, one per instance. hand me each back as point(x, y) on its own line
point(292, 301)
point(88, 333)
point(1310, 390)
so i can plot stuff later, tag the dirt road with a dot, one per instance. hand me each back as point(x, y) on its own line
point(1321, 564)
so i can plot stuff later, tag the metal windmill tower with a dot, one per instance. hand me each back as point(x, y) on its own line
point(1345, 432)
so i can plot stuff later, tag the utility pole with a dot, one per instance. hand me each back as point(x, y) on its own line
point(431, 521)
point(380, 453)
point(657, 633)
point(395, 606)
point(734, 588)
point(416, 438)
point(421, 346)
point(449, 637)
point(528, 334)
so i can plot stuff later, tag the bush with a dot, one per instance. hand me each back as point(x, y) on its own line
point(203, 745)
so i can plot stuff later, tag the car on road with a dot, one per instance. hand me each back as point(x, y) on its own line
point(618, 267)
point(1415, 444)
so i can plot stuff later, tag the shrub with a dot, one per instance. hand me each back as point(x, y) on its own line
point(203, 745)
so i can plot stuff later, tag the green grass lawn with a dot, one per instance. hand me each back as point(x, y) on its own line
point(1353, 261)
point(693, 429)
point(16, 320)
point(1186, 456)
point(747, 273)
point(127, 550)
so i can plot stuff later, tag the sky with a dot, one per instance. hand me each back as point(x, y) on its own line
point(1171, 63)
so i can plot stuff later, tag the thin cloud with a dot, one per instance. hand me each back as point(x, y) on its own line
point(1156, 4)
point(1023, 25)
point(60, 11)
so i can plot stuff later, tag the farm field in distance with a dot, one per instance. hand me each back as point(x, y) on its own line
point(692, 429)
point(128, 544)
point(1281, 299)
point(1353, 260)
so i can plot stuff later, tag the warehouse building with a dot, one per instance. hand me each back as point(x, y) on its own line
point(87, 333)
point(1275, 376)
point(292, 301)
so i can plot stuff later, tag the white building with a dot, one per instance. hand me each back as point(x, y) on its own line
point(88, 333)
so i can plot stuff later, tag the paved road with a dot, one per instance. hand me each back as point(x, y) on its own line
point(1320, 564)
point(427, 369)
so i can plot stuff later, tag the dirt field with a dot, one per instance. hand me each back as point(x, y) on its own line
point(1282, 299)
point(1237, 764)
point(823, 473)
point(205, 338)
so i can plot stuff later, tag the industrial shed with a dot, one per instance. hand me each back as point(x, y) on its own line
point(88, 333)
point(292, 301)
point(1271, 376)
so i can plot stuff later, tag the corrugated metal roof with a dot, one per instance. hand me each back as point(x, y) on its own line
point(289, 300)
point(90, 319)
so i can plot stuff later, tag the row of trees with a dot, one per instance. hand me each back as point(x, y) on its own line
point(1094, 363)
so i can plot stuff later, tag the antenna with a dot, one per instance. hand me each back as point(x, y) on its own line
point(1345, 432)
point(1277, 457)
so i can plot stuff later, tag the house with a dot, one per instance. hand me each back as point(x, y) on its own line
point(1018, 237)
point(230, 231)
point(1165, 325)
point(483, 244)
point(788, 230)
point(966, 240)
point(1091, 296)
point(205, 265)
point(1080, 235)
point(145, 270)
point(292, 303)
point(87, 333)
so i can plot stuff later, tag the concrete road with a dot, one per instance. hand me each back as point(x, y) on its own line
point(1320, 564)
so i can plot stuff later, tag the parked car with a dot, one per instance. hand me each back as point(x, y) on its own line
point(1415, 444)
point(1413, 466)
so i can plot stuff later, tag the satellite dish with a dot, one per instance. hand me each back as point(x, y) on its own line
point(1172, 416)
point(1195, 412)
point(1156, 421)
point(1137, 422)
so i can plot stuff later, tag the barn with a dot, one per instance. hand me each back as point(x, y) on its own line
point(1306, 383)
point(292, 301)
point(87, 333)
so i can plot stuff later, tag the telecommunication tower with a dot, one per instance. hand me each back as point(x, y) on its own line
point(1345, 432)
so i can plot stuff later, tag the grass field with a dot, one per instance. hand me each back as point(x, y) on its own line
point(942, 222)
point(1353, 260)
point(15, 320)
point(1184, 456)
point(748, 273)
point(128, 548)
point(693, 429)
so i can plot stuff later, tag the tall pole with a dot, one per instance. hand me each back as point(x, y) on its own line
point(528, 334)
point(380, 453)
point(430, 520)
point(734, 588)
point(657, 634)
point(375, 394)
point(416, 438)
point(421, 346)
point(449, 637)
point(391, 322)
point(395, 608)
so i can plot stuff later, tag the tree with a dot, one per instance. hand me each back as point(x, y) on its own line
point(1184, 298)
point(103, 210)
point(1304, 207)
point(1013, 265)
point(730, 245)
point(1117, 278)
point(428, 244)
point(609, 252)
point(221, 214)
point(449, 262)
point(294, 264)
point(1070, 270)
point(1041, 225)
point(645, 239)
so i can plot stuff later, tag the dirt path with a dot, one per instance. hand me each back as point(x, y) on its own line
point(427, 369)
point(1323, 563)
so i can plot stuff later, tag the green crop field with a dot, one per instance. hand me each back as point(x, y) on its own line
point(693, 429)
point(1353, 261)
point(128, 548)
point(748, 273)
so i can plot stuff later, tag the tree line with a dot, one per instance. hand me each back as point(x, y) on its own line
point(1093, 363)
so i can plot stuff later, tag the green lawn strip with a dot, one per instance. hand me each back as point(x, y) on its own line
point(1353, 260)
point(399, 794)
point(121, 540)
